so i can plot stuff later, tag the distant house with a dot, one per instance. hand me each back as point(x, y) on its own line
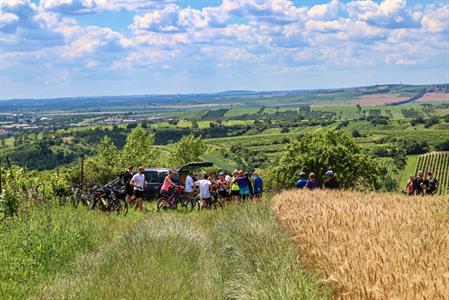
point(137, 118)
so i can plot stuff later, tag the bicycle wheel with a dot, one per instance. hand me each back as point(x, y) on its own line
point(124, 206)
point(188, 204)
point(215, 204)
point(162, 203)
point(75, 201)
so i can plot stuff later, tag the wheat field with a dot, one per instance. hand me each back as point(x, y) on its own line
point(371, 245)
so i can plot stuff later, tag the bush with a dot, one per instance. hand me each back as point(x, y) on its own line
point(355, 133)
point(9, 203)
point(443, 146)
point(318, 152)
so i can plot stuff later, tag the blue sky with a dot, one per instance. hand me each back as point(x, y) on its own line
point(55, 48)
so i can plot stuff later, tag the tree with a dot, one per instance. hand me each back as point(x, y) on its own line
point(188, 149)
point(319, 152)
point(104, 166)
point(139, 149)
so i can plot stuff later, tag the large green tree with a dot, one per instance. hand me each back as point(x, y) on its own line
point(188, 149)
point(319, 152)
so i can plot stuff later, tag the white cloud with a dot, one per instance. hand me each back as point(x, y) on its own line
point(325, 12)
point(94, 6)
point(94, 39)
point(436, 19)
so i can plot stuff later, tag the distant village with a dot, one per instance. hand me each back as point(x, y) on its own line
point(25, 122)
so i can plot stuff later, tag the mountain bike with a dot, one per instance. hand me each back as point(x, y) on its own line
point(174, 199)
point(108, 200)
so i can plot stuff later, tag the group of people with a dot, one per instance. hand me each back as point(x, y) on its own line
point(311, 183)
point(418, 185)
point(239, 187)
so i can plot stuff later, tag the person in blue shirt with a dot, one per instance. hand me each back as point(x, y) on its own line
point(258, 185)
point(243, 183)
point(301, 183)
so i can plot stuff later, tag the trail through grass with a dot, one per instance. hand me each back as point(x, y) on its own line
point(236, 253)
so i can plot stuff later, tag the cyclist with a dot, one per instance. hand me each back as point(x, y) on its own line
point(168, 184)
point(330, 182)
point(138, 183)
point(409, 186)
point(258, 185)
point(302, 181)
point(312, 183)
point(418, 183)
point(235, 190)
point(431, 184)
point(243, 183)
point(189, 184)
point(126, 177)
point(223, 187)
point(204, 186)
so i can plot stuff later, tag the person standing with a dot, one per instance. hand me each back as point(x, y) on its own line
point(331, 182)
point(168, 184)
point(138, 183)
point(127, 176)
point(302, 181)
point(204, 186)
point(418, 183)
point(409, 186)
point(189, 185)
point(312, 183)
point(243, 183)
point(223, 187)
point(258, 185)
point(235, 190)
point(431, 184)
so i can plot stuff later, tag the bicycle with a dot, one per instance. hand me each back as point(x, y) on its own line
point(106, 199)
point(171, 202)
point(213, 203)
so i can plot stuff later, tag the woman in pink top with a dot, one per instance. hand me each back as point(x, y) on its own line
point(168, 183)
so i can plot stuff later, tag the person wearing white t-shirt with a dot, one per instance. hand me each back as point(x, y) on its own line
point(138, 183)
point(189, 184)
point(204, 186)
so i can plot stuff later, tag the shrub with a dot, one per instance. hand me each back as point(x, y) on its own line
point(318, 152)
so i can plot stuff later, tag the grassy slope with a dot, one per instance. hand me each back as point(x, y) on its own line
point(237, 253)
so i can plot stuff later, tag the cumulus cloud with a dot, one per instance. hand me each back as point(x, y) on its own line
point(95, 6)
point(389, 13)
point(277, 33)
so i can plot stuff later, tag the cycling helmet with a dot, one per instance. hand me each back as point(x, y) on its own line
point(302, 174)
point(329, 173)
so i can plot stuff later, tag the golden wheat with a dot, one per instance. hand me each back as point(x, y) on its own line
point(371, 246)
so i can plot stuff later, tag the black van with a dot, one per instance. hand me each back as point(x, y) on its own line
point(154, 178)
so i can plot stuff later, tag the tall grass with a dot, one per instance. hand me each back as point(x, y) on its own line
point(237, 253)
point(43, 241)
point(371, 246)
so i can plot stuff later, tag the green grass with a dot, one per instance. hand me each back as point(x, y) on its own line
point(44, 241)
point(236, 253)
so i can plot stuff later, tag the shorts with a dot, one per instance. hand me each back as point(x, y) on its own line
point(129, 191)
point(235, 193)
point(138, 194)
point(244, 191)
point(223, 193)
